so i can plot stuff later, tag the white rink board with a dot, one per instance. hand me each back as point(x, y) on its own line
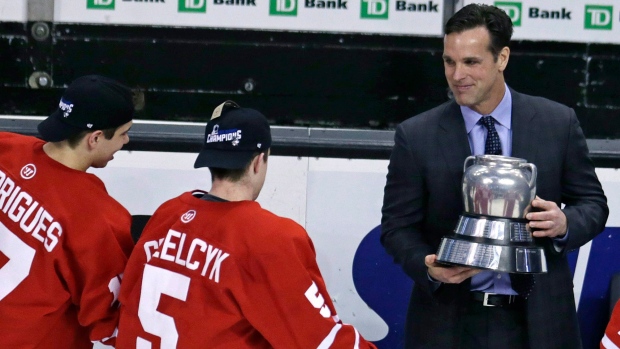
point(344, 204)
point(141, 181)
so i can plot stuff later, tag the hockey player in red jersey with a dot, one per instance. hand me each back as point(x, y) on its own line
point(215, 270)
point(64, 241)
point(611, 338)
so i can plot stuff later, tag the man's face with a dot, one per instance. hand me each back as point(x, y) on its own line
point(108, 147)
point(474, 76)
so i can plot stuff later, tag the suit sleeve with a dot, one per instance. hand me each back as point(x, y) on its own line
point(585, 203)
point(285, 298)
point(96, 267)
point(404, 203)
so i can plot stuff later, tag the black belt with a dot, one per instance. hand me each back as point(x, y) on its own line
point(495, 300)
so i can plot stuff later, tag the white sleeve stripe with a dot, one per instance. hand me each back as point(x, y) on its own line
point(607, 343)
point(357, 339)
point(114, 334)
point(329, 340)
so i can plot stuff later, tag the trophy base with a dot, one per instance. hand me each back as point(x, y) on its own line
point(509, 259)
point(493, 243)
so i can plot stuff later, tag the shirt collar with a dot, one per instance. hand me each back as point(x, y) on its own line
point(502, 113)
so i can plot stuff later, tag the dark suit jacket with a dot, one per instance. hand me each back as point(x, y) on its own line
point(423, 201)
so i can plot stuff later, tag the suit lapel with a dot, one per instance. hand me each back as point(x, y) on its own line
point(453, 140)
point(523, 133)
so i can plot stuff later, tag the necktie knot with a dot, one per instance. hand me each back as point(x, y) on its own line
point(488, 122)
point(492, 145)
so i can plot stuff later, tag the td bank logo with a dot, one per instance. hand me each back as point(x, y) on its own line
point(512, 9)
point(598, 17)
point(283, 7)
point(100, 4)
point(192, 5)
point(374, 9)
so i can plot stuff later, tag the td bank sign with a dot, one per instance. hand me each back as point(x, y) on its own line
point(595, 16)
point(370, 9)
point(192, 5)
point(283, 7)
point(598, 17)
point(100, 4)
point(513, 10)
point(374, 9)
point(184, 5)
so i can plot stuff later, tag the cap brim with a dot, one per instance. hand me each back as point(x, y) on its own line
point(231, 160)
point(53, 129)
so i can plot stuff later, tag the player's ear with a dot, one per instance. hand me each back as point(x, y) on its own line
point(257, 162)
point(93, 138)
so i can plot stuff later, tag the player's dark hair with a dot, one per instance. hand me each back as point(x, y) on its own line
point(494, 19)
point(236, 174)
point(74, 140)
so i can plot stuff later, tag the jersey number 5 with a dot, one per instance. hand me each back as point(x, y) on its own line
point(20, 260)
point(155, 282)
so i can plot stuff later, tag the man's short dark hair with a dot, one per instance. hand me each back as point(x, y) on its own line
point(75, 139)
point(234, 175)
point(494, 19)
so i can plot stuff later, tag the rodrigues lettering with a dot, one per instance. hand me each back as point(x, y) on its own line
point(33, 219)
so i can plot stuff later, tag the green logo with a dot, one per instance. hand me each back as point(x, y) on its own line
point(598, 17)
point(100, 4)
point(192, 5)
point(283, 7)
point(374, 9)
point(512, 9)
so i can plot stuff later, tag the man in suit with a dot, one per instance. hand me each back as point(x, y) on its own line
point(423, 200)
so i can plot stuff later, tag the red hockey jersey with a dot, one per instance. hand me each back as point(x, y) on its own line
point(228, 275)
point(64, 243)
point(611, 339)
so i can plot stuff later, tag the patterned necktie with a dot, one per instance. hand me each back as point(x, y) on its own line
point(521, 283)
point(492, 145)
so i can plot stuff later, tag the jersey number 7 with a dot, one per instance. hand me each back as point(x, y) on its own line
point(20, 260)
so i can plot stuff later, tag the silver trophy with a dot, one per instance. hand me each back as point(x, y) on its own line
point(492, 233)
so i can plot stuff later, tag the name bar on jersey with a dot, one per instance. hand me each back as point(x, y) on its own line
point(33, 219)
point(172, 248)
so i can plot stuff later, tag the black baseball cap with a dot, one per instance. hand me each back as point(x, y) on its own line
point(233, 136)
point(91, 102)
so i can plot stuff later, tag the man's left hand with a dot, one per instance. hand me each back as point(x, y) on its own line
point(548, 220)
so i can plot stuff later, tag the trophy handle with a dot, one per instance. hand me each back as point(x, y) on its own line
point(465, 165)
point(534, 171)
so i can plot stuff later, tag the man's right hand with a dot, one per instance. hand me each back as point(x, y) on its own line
point(448, 274)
